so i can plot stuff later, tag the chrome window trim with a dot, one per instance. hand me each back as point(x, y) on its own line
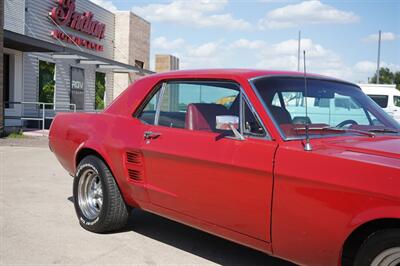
point(159, 101)
point(253, 110)
point(241, 111)
point(242, 94)
point(283, 136)
point(267, 110)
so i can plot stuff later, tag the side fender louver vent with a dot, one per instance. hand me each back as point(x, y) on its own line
point(134, 174)
point(134, 157)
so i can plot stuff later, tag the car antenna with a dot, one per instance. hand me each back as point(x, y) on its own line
point(307, 145)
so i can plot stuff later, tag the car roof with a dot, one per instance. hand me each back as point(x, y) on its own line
point(228, 73)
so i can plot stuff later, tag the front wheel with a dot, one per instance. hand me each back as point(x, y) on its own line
point(98, 202)
point(380, 249)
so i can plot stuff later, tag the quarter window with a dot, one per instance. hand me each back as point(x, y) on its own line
point(252, 126)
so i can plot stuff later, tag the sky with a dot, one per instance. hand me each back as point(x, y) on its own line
point(340, 37)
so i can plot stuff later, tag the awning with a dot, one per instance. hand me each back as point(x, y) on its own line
point(26, 43)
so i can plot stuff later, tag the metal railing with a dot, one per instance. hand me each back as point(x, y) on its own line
point(42, 110)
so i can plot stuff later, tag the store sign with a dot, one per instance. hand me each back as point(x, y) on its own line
point(75, 40)
point(78, 87)
point(65, 15)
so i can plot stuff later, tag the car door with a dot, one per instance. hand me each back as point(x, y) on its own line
point(192, 169)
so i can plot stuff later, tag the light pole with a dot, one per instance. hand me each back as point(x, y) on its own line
point(379, 58)
point(298, 53)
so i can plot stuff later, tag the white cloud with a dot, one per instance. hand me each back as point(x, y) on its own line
point(385, 36)
point(200, 13)
point(277, 1)
point(307, 12)
point(106, 4)
point(205, 55)
point(369, 67)
point(273, 56)
point(283, 56)
point(365, 69)
point(205, 50)
point(165, 44)
point(365, 66)
point(247, 44)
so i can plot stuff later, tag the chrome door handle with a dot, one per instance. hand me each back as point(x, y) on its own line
point(151, 135)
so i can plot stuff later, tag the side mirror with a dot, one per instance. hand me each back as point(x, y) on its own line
point(228, 122)
point(224, 122)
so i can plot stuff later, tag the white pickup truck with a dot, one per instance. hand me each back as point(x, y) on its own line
point(386, 96)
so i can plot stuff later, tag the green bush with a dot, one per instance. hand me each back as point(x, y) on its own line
point(100, 90)
point(46, 82)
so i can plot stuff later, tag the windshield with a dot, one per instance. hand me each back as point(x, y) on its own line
point(331, 104)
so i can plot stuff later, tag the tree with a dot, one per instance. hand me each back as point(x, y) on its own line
point(100, 90)
point(46, 82)
point(397, 79)
point(387, 77)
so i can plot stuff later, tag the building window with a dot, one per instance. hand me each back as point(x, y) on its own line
point(139, 64)
point(100, 91)
point(46, 83)
point(78, 87)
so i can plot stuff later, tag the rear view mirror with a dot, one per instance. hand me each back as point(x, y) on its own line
point(226, 122)
point(320, 93)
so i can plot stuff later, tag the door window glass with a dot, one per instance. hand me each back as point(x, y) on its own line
point(195, 105)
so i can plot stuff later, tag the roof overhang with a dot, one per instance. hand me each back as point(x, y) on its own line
point(26, 43)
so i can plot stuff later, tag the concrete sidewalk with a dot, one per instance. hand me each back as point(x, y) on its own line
point(39, 226)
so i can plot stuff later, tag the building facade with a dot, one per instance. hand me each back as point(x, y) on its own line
point(133, 47)
point(1, 68)
point(166, 62)
point(68, 55)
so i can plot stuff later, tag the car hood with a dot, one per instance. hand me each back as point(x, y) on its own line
point(381, 145)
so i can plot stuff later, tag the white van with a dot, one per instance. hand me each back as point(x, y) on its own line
point(386, 96)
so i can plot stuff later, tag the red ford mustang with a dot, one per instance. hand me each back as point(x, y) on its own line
point(306, 169)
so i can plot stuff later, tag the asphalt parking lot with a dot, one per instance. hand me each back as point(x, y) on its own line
point(39, 226)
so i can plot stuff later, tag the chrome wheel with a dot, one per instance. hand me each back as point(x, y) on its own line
point(389, 257)
point(90, 194)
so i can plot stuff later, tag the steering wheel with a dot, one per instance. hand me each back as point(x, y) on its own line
point(347, 122)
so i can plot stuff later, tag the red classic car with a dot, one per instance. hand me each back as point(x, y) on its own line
point(305, 168)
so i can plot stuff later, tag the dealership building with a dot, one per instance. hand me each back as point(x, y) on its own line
point(68, 55)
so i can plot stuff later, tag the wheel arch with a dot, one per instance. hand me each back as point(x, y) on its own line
point(85, 150)
point(359, 234)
